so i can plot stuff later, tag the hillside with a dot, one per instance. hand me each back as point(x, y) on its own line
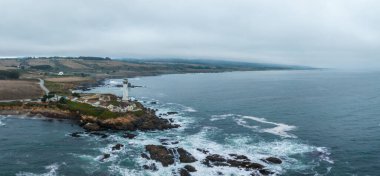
point(99, 67)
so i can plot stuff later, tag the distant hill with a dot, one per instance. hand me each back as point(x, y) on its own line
point(107, 67)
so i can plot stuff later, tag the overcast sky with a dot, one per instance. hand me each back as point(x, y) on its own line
point(324, 33)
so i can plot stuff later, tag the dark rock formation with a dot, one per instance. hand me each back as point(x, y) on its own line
point(216, 158)
point(203, 151)
point(117, 147)
point(244, 164)
point(129, 135)
point(239, 161)
point(265, 172)
point(167, 155)
point(144, 155)
point(239, 157)
point(190, 168)
point(102, 135)
point(185, 157)
point(161, 154)
point(76, 134)
point(105, 156)
point(184, 172)
point(272, 160)
point(151, 167)
point(172, 113)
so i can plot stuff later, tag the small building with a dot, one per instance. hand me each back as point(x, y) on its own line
point(60, 73)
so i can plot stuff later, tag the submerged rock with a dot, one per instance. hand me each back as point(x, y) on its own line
point(102, 135)
point(272, 160)
point(151, 167)
point(76, 134)
point(172, 113)
point(105, 156)
point(203, 151)
point(129, 135)
point(117, 147)
point(161, 154)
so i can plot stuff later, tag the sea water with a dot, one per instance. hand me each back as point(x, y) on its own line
point(320, 122)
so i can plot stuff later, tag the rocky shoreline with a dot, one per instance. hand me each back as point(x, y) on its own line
point(170, 156)
point(145, 122)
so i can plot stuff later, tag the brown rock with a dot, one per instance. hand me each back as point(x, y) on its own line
point(161, 154)
point(91, 127)
point(216, 158)
point(185, 157)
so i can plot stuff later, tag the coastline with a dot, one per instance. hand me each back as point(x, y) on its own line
point(126, 121)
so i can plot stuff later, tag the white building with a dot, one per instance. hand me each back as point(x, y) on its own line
point(60, 73)
point(125, 90)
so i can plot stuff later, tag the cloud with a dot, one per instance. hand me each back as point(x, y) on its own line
point(328, 33)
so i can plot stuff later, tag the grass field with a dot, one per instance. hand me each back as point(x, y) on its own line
point(19, 89)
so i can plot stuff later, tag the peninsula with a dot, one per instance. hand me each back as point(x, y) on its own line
point(45, 87)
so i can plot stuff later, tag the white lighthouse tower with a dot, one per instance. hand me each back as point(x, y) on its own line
point(125, 90)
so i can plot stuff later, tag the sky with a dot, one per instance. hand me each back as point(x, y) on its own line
point(320, 33)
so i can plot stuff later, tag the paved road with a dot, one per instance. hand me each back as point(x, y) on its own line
point(42, 85)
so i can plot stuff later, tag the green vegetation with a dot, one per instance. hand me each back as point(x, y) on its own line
point(138, 113)
point(86, 109)
point(9, 74)
point(58, 88)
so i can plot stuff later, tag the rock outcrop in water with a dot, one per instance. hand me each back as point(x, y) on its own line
point(161, 154)
point(239, 161)
point(167, 156)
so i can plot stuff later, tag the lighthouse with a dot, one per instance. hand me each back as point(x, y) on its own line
point(125, 90)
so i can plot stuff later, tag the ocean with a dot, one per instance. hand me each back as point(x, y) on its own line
point(318, 122)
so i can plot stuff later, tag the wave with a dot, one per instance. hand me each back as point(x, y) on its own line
point(287, 150)
point(52, 171)
point(2, 123)
point(280, 129)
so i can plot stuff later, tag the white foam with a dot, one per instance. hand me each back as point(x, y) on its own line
point(1, 121)
point(280, 129)
point(220, 117)
point(52, 171)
